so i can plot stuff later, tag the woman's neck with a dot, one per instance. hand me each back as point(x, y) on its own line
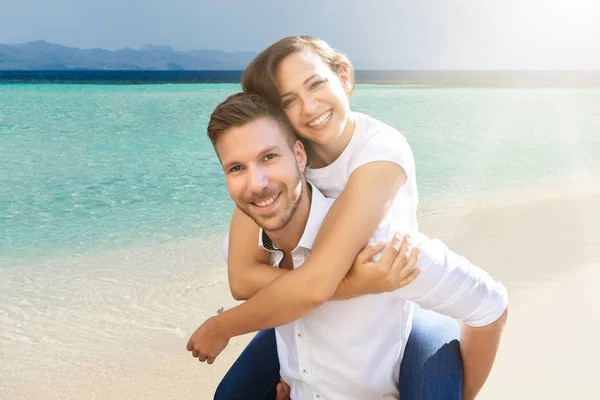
point(326, 154)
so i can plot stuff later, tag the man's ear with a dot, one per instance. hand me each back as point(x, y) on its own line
point(300, 153)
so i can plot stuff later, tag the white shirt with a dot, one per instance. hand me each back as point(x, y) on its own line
point(374, 141)
point(352, 349)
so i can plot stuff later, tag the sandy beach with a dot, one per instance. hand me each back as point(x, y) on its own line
point(547, 253)
point(125, 339)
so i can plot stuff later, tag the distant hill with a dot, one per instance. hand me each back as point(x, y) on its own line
point(41, 55)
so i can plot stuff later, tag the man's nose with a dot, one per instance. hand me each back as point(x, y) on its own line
point(258, 180)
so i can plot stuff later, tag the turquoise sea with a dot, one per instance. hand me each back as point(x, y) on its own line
point(95, 168)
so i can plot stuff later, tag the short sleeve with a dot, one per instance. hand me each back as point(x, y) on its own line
point(385, 145)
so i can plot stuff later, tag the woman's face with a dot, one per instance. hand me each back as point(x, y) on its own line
point(313, 97)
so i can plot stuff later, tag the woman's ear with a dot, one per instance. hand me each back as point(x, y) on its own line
point(344, 75)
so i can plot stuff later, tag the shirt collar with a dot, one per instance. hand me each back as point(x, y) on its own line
point(319, 206)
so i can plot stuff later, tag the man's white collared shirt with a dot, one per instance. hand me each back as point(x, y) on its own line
point(347, 349)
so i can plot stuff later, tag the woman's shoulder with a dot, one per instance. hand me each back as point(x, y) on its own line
point(370, 129)
point(372, 134)
point(378, 141)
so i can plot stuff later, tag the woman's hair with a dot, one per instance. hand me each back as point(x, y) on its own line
point(259, 76)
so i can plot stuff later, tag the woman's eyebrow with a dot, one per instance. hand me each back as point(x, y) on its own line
point(304, 83)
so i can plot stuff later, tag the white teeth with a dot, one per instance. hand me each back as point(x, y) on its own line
point(267, 202)
point(321, 120)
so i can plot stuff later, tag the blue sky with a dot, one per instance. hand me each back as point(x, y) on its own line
point(419, 34)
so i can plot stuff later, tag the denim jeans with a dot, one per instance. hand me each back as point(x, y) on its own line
point(431, 368)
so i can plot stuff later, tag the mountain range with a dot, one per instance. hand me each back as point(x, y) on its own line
point(41, 55)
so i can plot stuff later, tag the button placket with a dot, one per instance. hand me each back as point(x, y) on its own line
point(302, 347)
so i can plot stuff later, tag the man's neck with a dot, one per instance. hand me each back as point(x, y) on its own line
point(287, 238)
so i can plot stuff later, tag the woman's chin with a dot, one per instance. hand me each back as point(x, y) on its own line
point(322, 138)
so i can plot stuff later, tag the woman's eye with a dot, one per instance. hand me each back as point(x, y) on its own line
point(316, 84)
point(270, 157)
point(287, 103)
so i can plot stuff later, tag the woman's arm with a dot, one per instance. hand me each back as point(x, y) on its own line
point(248, 265)
point(349, 224)
point(248, 278)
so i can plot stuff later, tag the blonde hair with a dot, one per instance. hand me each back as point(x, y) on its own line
point(259, 76)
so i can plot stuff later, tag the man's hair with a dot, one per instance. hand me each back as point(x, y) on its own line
point(242, 108)
point(259, 75)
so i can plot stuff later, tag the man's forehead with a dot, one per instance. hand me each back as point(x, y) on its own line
point(250, 140)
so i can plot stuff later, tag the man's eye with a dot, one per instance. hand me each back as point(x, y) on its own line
point(269, 157)
point(235, 169)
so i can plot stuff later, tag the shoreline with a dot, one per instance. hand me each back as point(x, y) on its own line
point(544, 189)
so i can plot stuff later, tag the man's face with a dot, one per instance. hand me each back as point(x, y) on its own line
point(264, 175)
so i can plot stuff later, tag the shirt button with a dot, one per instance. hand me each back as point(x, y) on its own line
point(318, 396)
point(304, 371)
point(299, 335)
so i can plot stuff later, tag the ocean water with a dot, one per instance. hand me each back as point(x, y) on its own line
point(93, 168)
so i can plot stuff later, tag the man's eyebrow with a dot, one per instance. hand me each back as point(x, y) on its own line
point(229, 164)
point(262, 153)
point(304, 83)
point(269, 149)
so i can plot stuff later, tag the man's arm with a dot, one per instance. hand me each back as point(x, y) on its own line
point(478, 348)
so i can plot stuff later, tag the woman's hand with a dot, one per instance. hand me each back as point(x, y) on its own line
point(394, 270)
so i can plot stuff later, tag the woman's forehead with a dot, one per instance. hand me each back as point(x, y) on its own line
point(299, 66)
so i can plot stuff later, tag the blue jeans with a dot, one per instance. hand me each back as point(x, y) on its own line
point(431, 368)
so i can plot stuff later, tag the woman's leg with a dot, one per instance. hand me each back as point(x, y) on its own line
point(255, 374)
point(431, 368)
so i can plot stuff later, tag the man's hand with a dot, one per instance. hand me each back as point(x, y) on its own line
point(282, 390)
point(395, 269)
point(207, 343)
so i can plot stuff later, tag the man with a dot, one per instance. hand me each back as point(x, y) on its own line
point(343, 349)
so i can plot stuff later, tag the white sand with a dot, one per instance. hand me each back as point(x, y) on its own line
point(547, 252)
point(125, 338)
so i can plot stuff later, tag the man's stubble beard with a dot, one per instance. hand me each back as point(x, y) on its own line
point(288, 213)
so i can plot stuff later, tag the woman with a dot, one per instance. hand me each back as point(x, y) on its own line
point(313, 83)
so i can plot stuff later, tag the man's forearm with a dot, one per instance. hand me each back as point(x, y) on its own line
point(478, 347)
